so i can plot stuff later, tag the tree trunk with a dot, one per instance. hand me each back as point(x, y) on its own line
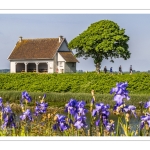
point(98, 67)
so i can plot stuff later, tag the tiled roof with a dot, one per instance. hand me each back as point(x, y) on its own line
point(36, 48)
point(68, 56)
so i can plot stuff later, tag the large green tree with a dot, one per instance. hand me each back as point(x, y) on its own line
point(102, 40)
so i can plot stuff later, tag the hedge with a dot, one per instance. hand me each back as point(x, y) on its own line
point(75, 82)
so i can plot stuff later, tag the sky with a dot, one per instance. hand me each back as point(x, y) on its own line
point(137, 27)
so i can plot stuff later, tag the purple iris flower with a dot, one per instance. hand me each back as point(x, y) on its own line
point(109, 127)
point(76, 107)
point(100, 107)
point(26, 115)
point(145, 119)
point(72, 103)
point(103, 118)
point(80, 104)
point(80, 108)
point(105, 114)
point(142, 125)
point(120, 92)
point(102, 112)
point(1, 100)
point(119, 107)
point(147, 104)
point(130, 109)
point(71, 106)
point(118, 99)
point(9, 121)
point(8, 117)
point(92, 101)
point(80, 122)
point(41, 108)
point(44, 96)
point(97, 123)
point(7, 109)
point(1, 104)
point(106, 106)
point(82, 111)
point(26, 96)
point(60, 123)
point(122, 85)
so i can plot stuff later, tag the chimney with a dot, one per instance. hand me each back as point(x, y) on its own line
point(20, 38)
point(60, 38)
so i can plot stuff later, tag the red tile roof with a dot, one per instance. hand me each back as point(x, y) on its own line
point(68, 56)
point(45, 48)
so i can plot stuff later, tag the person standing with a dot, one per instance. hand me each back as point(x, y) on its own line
point(111, 71)
point(120, 70)
point(105, 69)
point(130, 69)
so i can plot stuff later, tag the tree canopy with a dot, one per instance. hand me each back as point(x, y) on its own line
point(102, 40)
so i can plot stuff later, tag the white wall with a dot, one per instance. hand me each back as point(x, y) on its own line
point(51, 67)
point(60, 58)
point(64, 47)
point(62, 67)
point(12, 67)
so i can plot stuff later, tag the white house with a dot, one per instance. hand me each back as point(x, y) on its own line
point(42, 55)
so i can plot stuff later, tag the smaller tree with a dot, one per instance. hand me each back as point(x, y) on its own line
point(102, 40)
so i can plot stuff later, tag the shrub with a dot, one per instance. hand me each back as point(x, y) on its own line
point(75, 83)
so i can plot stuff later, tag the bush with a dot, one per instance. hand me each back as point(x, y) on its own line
point(75, 83)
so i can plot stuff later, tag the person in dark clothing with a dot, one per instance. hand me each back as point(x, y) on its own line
point(105, 69)
point(130, 69)
point(111, 71)
point(120, 70)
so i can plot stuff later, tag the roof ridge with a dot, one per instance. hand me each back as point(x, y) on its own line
point(38, 38)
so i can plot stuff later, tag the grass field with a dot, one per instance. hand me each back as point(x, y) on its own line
point(60, 99)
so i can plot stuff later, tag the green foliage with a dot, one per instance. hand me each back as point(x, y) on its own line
point(73, 83)
point(101, 40)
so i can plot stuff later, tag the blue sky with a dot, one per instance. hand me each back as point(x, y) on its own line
point(71, 25)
